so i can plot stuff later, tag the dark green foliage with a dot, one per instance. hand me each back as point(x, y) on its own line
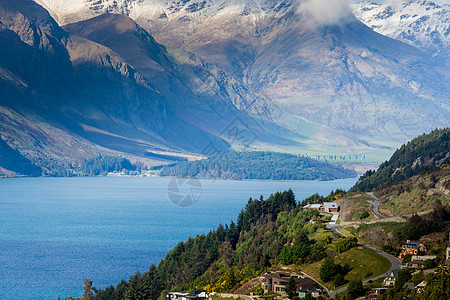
point(390, 249)
point(271, 207)
point(285, 256)
point(309, 297)
point(438, 286)
point(418, 277)
point(101, 165)
point(355, 288)
point(345, 244)
point(258, 165)
point(290, 288)
point(317, 253)
point(138, 288)
point(436, 221)
point(429, 264)
point(111, 293)
point(300, 252)
point(338, 280)
point(364, 215)
point(404, 275)
point(97, 166)
point(427, 151)
point(328, 269)
point(316, 198)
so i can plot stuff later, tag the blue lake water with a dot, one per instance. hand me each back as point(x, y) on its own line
point(56, 232)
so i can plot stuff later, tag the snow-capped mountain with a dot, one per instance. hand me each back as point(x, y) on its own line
point(423, 24)
point(323, 68)
point(420, 23)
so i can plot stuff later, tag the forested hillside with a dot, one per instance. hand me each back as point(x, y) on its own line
point(268, 232)
point(258, 165)
point(99, 165)
point(427, 151)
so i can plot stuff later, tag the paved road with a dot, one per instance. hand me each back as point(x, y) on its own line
point(324, 287)
point(395, 263)
point(375, 205)
point(245, 297)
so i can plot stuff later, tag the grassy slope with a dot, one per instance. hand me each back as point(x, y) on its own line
point(362, 261)
point(415, 194)
point(354, 204)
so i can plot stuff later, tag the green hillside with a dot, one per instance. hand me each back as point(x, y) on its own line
point(427, 151)
point(269, 233)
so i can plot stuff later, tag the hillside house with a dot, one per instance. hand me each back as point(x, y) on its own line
point(423, 257)
point(390, 279)
point(328, 207)
point(417, 261)
point(193, 295)
point(416, 264)
point(302, 292)
point(419, 288)
point(313, 206)
point(412, 248)
point(276, 282)
point(375, 292)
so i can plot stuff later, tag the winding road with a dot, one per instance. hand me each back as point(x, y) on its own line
point(375, 205)
point(395, 263)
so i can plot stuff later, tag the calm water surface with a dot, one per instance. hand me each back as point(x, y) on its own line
point(55, 232)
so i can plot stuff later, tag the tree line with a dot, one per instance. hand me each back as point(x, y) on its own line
point(267, 231)
point(425, 152)
point(258, 165)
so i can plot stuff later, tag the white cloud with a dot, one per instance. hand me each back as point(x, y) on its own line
point(325, 12)
point(395, 4)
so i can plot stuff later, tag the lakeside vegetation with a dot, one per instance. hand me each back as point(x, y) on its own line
point(268, 233)
point(277, 233)
point(99, 165)
point(258, 165)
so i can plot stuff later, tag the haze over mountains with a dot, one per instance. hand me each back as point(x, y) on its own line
point(299, 77)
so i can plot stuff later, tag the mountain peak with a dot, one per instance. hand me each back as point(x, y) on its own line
point(423, 24)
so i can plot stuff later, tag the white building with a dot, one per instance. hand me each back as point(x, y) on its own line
point(423, 257)
point(330, 207)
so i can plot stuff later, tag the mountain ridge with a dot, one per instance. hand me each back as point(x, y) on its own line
point(423, 24)
point(267, 46)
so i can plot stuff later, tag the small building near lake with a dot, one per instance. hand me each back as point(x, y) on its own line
point(193, 295)
point(328, 207)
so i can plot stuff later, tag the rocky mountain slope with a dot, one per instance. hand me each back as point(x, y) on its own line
point(423, 24)
point(67, 97)
point(336, 83)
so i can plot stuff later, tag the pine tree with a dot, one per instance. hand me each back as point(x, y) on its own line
point(338, 280)
point(290, 288)
point(327, 270)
